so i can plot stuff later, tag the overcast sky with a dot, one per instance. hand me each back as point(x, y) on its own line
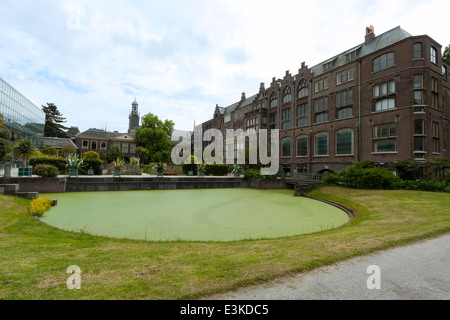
point(180, 58)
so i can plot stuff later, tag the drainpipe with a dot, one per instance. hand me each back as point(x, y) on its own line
point(359, 114)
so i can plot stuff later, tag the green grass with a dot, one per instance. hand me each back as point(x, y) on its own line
point(34, 257)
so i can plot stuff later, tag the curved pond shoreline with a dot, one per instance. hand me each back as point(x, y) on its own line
point(193, 215)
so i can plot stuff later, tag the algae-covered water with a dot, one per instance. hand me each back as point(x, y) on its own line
point(192, 215)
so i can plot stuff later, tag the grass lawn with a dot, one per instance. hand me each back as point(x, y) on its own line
point(34, 257)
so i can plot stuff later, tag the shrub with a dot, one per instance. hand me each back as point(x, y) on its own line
point(364, 176)
point(256, 174)
point(45, 170)
point(50, 151)
point(217, 169)
point(59, 163)
point(40, 206)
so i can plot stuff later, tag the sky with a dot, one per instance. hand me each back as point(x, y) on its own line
point(179, 58)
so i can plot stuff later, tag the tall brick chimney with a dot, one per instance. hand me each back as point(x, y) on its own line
point(370, 34)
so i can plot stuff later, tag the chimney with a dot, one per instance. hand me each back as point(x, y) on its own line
point(370, 34)
point(261, 87)
point(243, 96)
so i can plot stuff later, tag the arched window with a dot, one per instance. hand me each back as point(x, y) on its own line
point(274, 100)
point(345, 142)
point(287, 96)
point(286, 147)
point(384, 61)
point(303, 89)
point(287, 125)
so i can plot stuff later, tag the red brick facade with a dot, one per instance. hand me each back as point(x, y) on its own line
point(387, 99)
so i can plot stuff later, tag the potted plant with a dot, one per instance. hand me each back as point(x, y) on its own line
point(118, 164)
point(236, 170)
point(160, 166)
point(201, 169)
point(73, 164)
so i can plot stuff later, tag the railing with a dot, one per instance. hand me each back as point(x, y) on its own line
point(307, 176)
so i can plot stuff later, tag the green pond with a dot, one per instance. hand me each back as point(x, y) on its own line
point(192, 215)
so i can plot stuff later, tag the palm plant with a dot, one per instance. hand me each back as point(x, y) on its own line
point(118, 163)
point(237, 169)
point(24, 149)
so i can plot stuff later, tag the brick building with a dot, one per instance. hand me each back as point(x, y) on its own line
point(384, 100)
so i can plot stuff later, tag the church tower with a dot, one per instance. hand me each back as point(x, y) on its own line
point(134, 117)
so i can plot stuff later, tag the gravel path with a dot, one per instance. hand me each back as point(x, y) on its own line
point(412, 272)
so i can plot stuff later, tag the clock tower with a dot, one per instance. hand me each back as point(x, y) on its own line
point(134, 117)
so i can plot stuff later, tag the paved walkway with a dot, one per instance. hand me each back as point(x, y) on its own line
point(412, 272)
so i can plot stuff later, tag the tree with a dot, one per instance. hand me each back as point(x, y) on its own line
point(4, 138)
point(68, 149)
point(53, 122)
point(143, 154)
point(113, 154)
point(446, 54)
point(155, 134)
point(24, 149)
point(50, 151)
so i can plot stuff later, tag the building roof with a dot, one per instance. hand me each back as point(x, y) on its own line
point(98, 133)
point(73, 131)
point(57, 143)
point(379, 42)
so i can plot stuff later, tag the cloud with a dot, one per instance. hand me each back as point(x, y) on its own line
point(180, 58)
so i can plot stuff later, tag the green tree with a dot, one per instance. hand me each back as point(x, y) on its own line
point(113, 154)
point(155, 134)
point(5, 145)
point(446, 54)
point(24, 149)
point(50, 151)
point(143, 154)
point(53, 122)
point(68, 149)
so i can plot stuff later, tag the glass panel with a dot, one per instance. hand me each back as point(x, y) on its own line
point(321, 145)
point(286, 148)
point(302, 146)
point(385, 146)
point(344, 142)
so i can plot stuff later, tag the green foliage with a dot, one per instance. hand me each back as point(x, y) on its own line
point(155, 135)
point(364, 176)
point(408, 170)
point(421, 185)
point(50, 151)
point(118, 163)
point(68, 149)
point(92, 161)
point(91, 156)
point(59, 163)
point(113, 154)
point(217, 169)
point(23, 149)
point(46, 170)
point(73, 162)
point(446, 54)
point(191, 166)
point(256, 174)
point(53, 122)
point(143, 154)
point(5, 145)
